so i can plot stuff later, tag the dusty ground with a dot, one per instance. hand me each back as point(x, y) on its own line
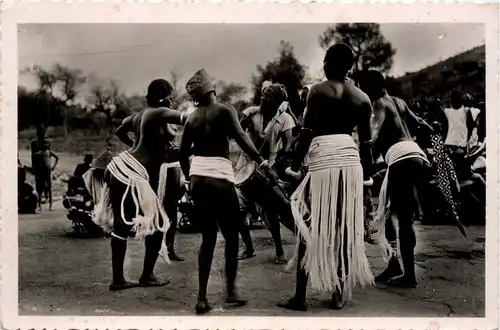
point(61, 275)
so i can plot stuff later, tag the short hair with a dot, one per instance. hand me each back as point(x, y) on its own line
point(158, 90)
point(373, 78)
point(339, 56)
point(456, 94)
point(88, 158)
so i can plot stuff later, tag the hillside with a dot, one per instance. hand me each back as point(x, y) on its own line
point(464, 71)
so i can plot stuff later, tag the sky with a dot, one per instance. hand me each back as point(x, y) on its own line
point(135, 54)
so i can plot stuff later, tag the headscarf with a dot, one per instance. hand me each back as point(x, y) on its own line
point(275, 92)
point(199, 84)
point(265, 84)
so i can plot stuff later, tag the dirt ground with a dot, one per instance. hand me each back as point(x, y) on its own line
point(62, 275)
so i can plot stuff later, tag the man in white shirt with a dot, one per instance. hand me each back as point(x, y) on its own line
point(460, 127)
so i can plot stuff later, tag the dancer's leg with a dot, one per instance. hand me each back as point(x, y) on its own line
point(204, 217)
point(175, 191)
point(229, 225)
point(402, 192)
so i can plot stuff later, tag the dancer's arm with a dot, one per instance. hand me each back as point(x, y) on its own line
point(122, 131)
point(172, 116)
point(306, 133)
point(365, 139)
point(239, 135)
point(185, 150)
point(56, 158)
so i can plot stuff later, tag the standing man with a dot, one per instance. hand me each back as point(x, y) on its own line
point(206, 137)
point(130, 204)
point(269, 127)
point(460, 127)
point(393, 140)
point(328, 204)
point(159, 95)
point(41, 164)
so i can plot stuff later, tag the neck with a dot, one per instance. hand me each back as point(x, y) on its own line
point(380, 94)
point(337, 77)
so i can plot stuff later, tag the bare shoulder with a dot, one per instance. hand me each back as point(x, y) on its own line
point(223, 109)
point(356, 94)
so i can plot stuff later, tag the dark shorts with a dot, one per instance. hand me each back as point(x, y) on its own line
point(406, 178)
point(215, 204)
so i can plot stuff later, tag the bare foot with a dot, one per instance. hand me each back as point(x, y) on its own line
point(280, 260)
point(403, 282)
point(152, 280)
point(202, 307)
point(246, 255)
point(294, 304)
point(338, 302)
point(118, 286)
point(393, 269)
point(174, 257)
point(235, 301)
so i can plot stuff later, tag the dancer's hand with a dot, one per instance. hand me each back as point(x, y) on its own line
point(264, 164)
point(187, 185)
point(368, 183)
point(292, 173)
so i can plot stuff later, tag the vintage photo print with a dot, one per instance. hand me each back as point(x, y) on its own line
point(249, 165)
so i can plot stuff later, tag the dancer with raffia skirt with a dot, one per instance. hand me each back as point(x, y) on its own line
point(328, 204)
point(131, 201)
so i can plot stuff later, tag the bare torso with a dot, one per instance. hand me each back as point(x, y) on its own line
point(334, 107)
point(394, 127)
point(152, 137)
point(210, 132)
point(40, 156)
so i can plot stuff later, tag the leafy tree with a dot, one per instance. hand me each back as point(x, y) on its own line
point(230, 93)
point(371, 49)
point(71, 80)
point(105, 98)
point(43, 97)
point(285, 70)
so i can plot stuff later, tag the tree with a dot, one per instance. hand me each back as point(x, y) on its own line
point(44, 98)
point(71, 80)
point(230, 93)
point(105, 98)
point(371, 50)
point(285, 70)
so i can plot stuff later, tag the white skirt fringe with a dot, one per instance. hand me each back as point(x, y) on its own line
point(328, 235)
point(130, 172)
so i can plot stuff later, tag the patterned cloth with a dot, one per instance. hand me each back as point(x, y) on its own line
point(447, 177)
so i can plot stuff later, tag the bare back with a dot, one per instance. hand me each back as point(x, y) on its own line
point(153, 137)
point(211, 131)
point(335, 107)
point(390, 118)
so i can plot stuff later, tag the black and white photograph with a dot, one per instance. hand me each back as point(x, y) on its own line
point(334, 169)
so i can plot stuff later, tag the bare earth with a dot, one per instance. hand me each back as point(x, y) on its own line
point(61, 275)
